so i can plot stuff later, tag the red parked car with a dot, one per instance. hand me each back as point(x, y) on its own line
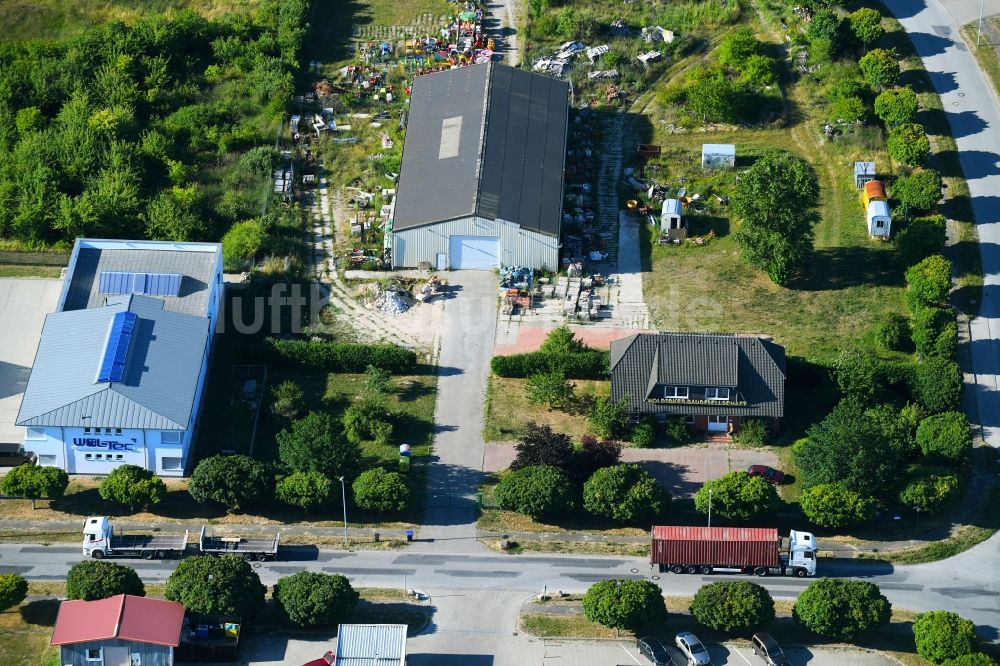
point(775, 476)
point(326, 660)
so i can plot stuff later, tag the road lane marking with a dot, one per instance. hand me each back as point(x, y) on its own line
point(634, 658)
point(739, 653)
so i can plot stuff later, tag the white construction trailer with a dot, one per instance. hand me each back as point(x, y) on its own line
point(879, 219)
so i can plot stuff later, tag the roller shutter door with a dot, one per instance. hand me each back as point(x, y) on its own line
point(474, 252)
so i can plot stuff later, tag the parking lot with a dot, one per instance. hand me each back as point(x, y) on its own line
point(23, 306)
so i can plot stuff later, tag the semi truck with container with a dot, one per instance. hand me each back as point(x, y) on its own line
point(248, 549)
point(749, 550)
point(100, 540)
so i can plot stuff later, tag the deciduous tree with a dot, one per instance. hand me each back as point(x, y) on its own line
point(304, 489)
point(920, 190)
point(930, 493)
point(99, 579)
point(34, 482)
point(550, 388)
point(311, 599)
point(896, 106)
point(908, 144)
point(538, 490)
point(774, 202)
point(625, 493)
point(866, 24)
point(540, 445)
point(840, 608)
point(880, 67)
point(378, 490)
point(624, 604)
point(13, 590)
point(928, 282)
point(209, 585)
point(737, 495)
point(232, 481)
point(942, 635)
point(314, 444)
point(937, 384)
point(133, 486)
point(945, 436)
point(832, 505)
point(733, 606)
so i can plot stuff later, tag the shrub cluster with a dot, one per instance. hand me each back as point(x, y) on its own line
point(341, 357)
point(585, 364)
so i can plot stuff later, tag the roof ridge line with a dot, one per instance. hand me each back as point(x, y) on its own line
point(121, 612)
point(481, 158)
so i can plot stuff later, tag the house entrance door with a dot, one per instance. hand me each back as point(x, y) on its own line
point(718, 423)
point(116, 656)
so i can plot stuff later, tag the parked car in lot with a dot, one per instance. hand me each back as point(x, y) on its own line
point(765, 647)
point(693, 649)
point(654, 650)
point(326, 660)
point(775, 476)
point(12, 455)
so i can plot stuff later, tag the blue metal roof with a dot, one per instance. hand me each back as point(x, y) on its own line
point(116, 347)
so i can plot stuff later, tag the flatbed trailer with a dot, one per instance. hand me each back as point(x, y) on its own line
point(100, 540)
point(248, 549)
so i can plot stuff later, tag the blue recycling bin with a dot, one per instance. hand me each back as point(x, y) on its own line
point(409, 535)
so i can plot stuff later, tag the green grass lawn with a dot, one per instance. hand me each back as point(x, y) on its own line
point(508, 410)
point(55, 19)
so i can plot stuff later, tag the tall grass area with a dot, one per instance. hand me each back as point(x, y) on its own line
point(56, 19)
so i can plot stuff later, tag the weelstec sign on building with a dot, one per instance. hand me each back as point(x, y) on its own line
point(106, 444)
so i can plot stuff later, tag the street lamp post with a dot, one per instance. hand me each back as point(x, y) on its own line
point(709, 507)
point(343, 499)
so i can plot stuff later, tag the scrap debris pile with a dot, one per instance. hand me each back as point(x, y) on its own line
point(516, 277)
point(390, 299)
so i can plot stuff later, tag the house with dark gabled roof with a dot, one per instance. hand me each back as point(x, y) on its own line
point(481, 181)
point(716, 381)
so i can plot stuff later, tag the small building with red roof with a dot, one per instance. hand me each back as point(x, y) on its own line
point(124, 630)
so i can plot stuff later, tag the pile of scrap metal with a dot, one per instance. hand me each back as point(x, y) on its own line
point(389, 298)
point(560, 61)
point(517, 277)
point(429, 289)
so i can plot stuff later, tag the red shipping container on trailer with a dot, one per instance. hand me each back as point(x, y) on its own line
point(715, 546)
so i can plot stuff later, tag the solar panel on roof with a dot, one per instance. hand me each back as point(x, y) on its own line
point(163, 284)
point(138, 283)
point(116, 348)
point(115, 282)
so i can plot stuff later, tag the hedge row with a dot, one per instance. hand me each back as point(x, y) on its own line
point(588, 364)
point(340, 357)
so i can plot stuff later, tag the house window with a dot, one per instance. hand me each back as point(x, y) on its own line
point(879, 224)
point(86, 431)
point(170, 464)
point(119, 456)
point(107, 431)
point(718, 419)
point(675, 392)
point(118, 431)
point(35, 433)
point(88, 456)
point(47, 461)
point(95, 654)
point(689, 419)
point(170, 437)
point(716, 394)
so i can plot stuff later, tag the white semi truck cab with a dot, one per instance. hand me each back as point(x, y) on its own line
point(100, 541)
point(801, 552)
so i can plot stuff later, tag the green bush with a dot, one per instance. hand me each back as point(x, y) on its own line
point(920, 190)
point(98, 579)
point(971, 659)
point(314, 443)
point(866, 24)
point(625, 493)
point(898, 427)
point(625, 604)
point(934, 331)
point(921, 238)
point(341, 357)
point(609, 419)
point(13, 590)
point(311, 599)
point(287, 399)
point(908, 144)
point(537, 490)
point(892, 331)
point(928, 282)
point(367, 419)
point(587, 364)
point(937, 384)
point(943, 635)
point(841, 609)
point(881, 68)
point(378, 490)
point(738, 496)
point(550, 388)
point(945, 436)
point(733, 606)
point(677, 432)
point(209, 585)
point(232, 481)
point(304, 489)
point(860, 375)
point(644, 435)
point(132, 486)
point(752, 432)
point(930, 494)
point(242, 243)
point(831, 505)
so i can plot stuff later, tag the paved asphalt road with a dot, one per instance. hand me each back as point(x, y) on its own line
point(974, 116)
point(967, 584)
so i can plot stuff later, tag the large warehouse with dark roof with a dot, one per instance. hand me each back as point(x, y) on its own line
point(481, 183)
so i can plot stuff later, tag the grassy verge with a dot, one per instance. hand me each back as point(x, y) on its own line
point(508, 410)
point(29, 271)
point(575, 547)
point(985, 53)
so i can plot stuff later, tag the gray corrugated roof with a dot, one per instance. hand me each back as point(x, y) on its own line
point(510, 155)
point(755, 366)
point(197, 269)
point(374, 644)
point(161, 375)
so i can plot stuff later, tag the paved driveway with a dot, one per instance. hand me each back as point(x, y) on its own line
point(23, 306)
point(682, 470)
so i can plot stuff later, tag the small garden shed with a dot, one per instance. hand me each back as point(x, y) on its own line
point(671, 220)
point(718, 155)
point(879, 219)
point(863, 172)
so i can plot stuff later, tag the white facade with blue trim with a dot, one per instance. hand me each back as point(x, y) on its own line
point(121, 365)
